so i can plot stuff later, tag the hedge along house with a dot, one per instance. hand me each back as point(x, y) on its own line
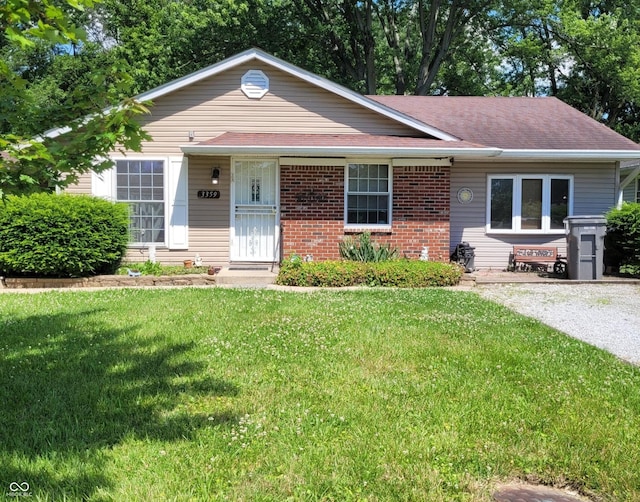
point(253, 159)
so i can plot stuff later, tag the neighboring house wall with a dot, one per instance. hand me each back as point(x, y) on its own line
point(631, 192)
point(593, 190)
point(313, 207)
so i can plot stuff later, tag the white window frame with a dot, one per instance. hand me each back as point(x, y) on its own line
point(389, 193)
point(165, 195)
point(516, 216)
point(637, 190)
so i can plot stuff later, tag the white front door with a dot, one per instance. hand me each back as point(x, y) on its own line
point(254, 225)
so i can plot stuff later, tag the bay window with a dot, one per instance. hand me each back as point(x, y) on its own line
point(528, 203)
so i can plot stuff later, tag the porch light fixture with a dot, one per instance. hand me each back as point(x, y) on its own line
point(215, 175)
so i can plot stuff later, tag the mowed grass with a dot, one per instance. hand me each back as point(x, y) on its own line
point(221, 394)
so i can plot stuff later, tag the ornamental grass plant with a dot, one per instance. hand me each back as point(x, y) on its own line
point(374, 394)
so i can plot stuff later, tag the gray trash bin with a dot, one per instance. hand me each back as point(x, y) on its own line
point(585, 246)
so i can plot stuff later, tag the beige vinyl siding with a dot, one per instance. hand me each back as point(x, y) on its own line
point(217, 105)
point(208, 218)
point(83, 186)
point(593, 191)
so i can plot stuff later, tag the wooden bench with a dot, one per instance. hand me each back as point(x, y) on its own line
point(539, 255)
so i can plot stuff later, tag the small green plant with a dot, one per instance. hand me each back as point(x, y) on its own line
point(150, 268)
point(295, 259)
point(363, 249)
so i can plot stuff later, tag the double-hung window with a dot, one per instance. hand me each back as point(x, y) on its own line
point(140, 183)
point(529, 203)
point(368, 198)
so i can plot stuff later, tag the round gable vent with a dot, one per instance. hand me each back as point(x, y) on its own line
point(254, 84)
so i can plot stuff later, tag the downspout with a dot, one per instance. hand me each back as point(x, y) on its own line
point(618, 186)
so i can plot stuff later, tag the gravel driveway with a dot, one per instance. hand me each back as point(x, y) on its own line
point(604, 315)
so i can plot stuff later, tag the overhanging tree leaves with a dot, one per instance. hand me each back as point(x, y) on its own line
point(604, 40)
point(95, 122)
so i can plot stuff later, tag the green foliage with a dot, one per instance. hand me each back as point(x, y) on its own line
point(396, 273)
point(604, 43)
point(622, 241)
point(363, 249)
point(61, 235)
point(157, 269)
point(150, 268)
point(92, 104)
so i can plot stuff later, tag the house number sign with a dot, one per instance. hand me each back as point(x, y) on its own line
point(208, 194)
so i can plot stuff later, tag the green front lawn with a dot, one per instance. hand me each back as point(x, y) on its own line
point(223, 394)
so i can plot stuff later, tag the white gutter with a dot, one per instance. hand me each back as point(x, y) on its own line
point(333, 151)
point(592, 155)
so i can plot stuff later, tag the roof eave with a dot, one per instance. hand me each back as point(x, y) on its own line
point(332, 151)
point(585, 155)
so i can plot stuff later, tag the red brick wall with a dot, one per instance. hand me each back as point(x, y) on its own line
point(312, 211)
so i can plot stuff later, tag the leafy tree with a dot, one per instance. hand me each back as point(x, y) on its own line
point(35, 30)
point(409, 40)
point(604, 81)
point(160, 40)
point(586, 53)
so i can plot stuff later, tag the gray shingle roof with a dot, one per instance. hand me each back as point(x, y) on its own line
point(511, 122)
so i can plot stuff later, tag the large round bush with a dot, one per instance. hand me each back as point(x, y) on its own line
point(622, 242)
point(53, 235)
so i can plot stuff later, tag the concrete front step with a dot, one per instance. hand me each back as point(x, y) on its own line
point(246, 276)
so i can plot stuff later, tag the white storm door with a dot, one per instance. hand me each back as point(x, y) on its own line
point(255, 210)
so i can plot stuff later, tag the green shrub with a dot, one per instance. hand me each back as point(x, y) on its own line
point(364, 250)
point(622, 241)
point(52, 235)
point(396, 273)
point(150, 268)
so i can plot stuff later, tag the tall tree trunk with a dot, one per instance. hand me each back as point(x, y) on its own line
point(401, 51)
point(551, 67)
point(353, 51)
point(435, 46)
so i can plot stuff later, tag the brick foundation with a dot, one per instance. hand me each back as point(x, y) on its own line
point(312, 211)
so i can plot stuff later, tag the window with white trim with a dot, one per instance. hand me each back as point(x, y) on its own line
point(140, 183)
point(368, 194)
point(528, 203)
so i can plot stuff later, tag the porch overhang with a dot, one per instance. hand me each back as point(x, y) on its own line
point(308, 151)
point(336, 145)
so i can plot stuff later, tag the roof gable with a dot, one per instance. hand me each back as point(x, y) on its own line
point(315, 80)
